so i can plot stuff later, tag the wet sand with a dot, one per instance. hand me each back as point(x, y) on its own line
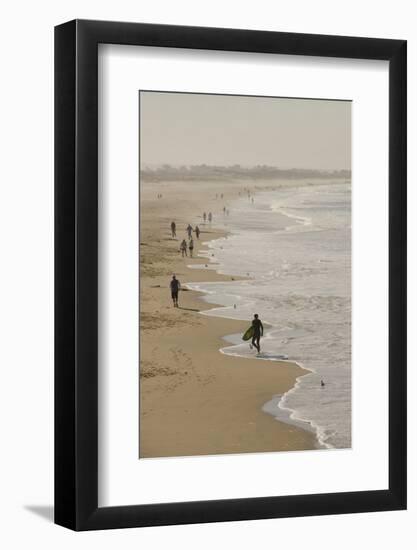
point(195, 400)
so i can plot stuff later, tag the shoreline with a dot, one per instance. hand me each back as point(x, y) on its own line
point(194, 399)
point(282, 413)
point(326, 385)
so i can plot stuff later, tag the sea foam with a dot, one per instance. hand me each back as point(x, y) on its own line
point(293, 245)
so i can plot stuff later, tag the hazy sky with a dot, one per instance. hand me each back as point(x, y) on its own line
point(184, 129)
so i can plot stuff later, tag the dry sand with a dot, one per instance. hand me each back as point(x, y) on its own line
point(195, 400)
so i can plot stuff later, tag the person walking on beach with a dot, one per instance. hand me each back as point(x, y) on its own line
point(173, 229)
point(189, 230)
point(210, 217)
point(191, 247)
point(175, 285)
point(197, 231)
point(258, 331)
point(204, 217)
point(183, 248)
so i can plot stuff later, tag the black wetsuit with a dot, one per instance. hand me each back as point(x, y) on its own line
point(258, 330)
point(175, 285)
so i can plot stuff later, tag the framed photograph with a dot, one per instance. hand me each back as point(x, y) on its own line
point(230, 252)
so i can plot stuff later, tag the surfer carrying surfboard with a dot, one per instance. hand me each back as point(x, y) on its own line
point(258, 331)
point(255, 331)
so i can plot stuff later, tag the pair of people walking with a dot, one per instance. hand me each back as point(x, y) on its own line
point(190, 230)
point(184, 246)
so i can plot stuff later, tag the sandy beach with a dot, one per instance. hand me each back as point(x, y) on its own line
point(195, 400)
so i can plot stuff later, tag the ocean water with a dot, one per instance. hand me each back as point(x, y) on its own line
point(294, 245)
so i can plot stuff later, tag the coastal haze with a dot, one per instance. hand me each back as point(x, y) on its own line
point(275, 175)
point(221, 130)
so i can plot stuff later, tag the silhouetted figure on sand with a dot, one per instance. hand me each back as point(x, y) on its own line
point(258, 331)
point(175, 286)
point(183, 248)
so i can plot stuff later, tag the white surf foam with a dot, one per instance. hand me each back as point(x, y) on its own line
point(294, 245)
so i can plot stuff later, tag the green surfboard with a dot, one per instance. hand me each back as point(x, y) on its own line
point(248, 334)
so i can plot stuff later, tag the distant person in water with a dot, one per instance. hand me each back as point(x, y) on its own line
point(258, 331)
point(189, 230)
point(173, 229)
point(191, 247)
point(197, 231)
point(210, 216)
point(175, 285)
point(183, 248)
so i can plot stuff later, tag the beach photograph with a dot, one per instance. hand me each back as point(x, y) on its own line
point(245, 274)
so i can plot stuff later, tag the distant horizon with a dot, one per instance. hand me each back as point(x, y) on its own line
point(179, 166)
point(199, 172)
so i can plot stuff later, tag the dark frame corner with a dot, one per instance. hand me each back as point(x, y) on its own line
point(76, 268)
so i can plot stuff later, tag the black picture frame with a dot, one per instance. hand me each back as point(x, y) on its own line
point(76, 273)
